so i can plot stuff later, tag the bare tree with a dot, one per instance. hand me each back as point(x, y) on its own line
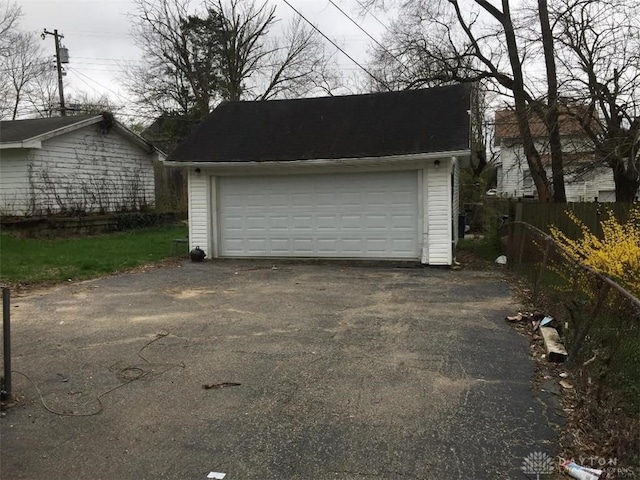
point(9, 16)
point(166, 81)
point(243, 45)
point(224, 51)
point(296, 63)
point(600, 68)
point(22, 65)
point(446, 41)
point(83, 102)
point(589, 51)
point(27, 76)
point(42, 95)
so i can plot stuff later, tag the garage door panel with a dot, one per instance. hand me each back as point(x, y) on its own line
point(279, 223)
point(352, 245)
point(301, 223)
point(327, 245)
point(301, 200)
point(303, 245)
point(233, 246)
point(351, 223)
point(377, 245)
point(280, 245)
point(355, 215)
point(257, 244)
point(377, 222)
point(326, 222)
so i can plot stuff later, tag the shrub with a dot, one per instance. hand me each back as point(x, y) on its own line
point(136, 220)
point(616, 254)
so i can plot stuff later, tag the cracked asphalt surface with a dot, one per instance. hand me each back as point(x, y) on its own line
point(346, 371)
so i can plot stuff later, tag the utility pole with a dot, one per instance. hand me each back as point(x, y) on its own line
point(59, 62)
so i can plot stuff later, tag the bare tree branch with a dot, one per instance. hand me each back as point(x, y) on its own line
point(224, 51)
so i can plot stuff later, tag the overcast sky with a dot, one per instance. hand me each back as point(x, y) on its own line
point(98, 36)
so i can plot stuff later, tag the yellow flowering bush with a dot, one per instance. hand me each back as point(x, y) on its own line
point(616, 254)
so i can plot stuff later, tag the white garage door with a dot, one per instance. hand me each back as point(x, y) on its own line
point(353, 215)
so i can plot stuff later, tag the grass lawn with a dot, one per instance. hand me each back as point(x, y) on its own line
point(485, 248)
point(29, 261)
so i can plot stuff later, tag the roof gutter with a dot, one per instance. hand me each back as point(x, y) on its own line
point(323, 162)
point(24, 144)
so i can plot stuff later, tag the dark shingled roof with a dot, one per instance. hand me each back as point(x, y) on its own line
point(20, 130)
point(372, 125)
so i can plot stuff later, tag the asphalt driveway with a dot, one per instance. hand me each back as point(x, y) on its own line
point(345, 371)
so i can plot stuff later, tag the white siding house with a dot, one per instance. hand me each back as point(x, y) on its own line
point(357, 177)
point(78, 164)
point(585, 181)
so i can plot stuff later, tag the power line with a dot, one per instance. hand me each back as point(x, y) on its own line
point(98, 68)
point(368, 35)
point(338, 47)
point(100, 85)
point(114, 60)
point(367, 11)
point(87, 84)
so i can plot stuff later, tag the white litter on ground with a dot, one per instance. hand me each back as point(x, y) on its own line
point(217, 475)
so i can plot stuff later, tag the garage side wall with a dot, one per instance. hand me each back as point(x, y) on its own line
point(15, 194)
point(438, 206)
point(88, 170)
point(199, 214)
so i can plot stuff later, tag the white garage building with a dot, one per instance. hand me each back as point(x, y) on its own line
point(358, 177)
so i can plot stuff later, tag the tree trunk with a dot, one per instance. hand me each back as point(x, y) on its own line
point(626, 186)
point(552, 114)
point(555, 146)
point(538, 174)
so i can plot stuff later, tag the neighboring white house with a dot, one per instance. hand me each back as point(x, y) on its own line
point(585, 181)
point(360, 176)
point(74, 164)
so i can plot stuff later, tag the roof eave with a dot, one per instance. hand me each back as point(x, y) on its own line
point(319, 162)
point(141, 142)
point(62, 130)
point(21, 145)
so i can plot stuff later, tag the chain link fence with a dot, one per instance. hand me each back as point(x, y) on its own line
point(599, 323)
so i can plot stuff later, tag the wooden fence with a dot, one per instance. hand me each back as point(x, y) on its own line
point(543, 215)
point(171, 188)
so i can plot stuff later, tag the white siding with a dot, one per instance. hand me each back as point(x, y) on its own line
point(91, 171)
point(596, 181)
point(14, 183)
point(433, 212)
point(200, 212)
point(455, 178)
point(438, 214)
point(513, 166)
point(582, 187)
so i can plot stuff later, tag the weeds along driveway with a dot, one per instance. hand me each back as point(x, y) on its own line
point(345, 371)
